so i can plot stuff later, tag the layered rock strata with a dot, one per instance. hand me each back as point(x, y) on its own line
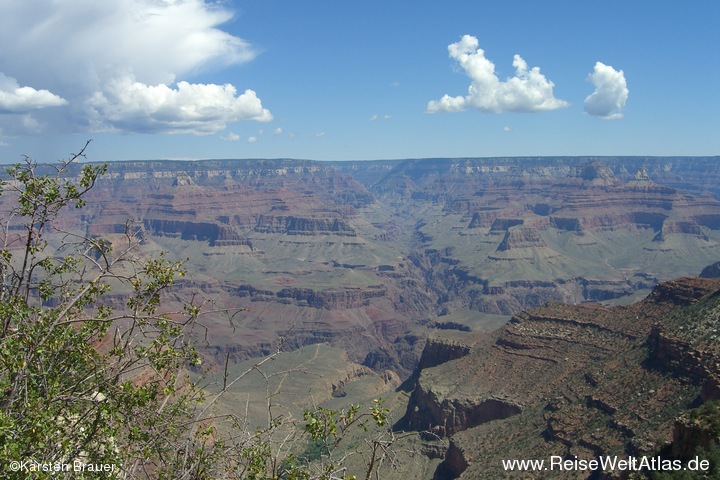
point(583, 381)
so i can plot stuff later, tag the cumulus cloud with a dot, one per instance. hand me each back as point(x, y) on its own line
point(527, 91)
point(610, 95)
point(17, 99)
point(128, 105)
point(85, 52)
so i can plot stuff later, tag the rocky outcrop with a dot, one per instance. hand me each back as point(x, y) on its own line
point(213, 233)
point(229, 237)
point(580, 370)
point(689, 349)
point(292, 225)
point(338, 386)
point(711, 271)
point(681, 292)
point(594, 173)
point(694, 430)
point(686, 227)
point(432, 412)
point(333, 299)
point(601, 290)
point(439, 415)
point(438, 351)
point(568, 224)
point(503, 224)
point(678, 357)
point(521, 237)
point(454, 463)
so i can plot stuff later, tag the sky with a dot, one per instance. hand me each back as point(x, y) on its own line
point(341, 80)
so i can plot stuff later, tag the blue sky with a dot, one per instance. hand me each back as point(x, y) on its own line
point(338, 80)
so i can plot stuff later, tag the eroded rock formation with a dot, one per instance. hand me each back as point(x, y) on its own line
point(380, 248)
point(577, 381)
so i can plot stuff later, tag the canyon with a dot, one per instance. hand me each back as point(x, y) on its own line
point(371, 256)
point(524, 306)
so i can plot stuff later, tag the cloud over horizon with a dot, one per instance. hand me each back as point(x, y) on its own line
point(610, 95)
point(104, 58)
point(528, 91)
point(17, 99)
point(131, 106)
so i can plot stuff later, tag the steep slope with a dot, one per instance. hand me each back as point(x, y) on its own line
point(575, 382)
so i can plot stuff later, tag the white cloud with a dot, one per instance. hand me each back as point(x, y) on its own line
point(507, 129)
point(231, 137)
point(278, 131)
point(128, 105)
point(376, 117)
point(17, 99)
point(97, 46)
point(527, 91)
point(610, 95)
point(252, 139)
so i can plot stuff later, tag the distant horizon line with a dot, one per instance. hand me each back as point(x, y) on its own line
point(381, 160)
point(490, 157)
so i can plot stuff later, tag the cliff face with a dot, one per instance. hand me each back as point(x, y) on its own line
point(711, 271)
point(304, 226)
point(328, 299)
point(213, 233)
point(442, 416)
point(437, 352)
point(678, 357)
point(520, 237)
point(574, 380)
point(385, 249)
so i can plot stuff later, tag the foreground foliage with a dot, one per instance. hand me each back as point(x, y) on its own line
point(94, 367)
